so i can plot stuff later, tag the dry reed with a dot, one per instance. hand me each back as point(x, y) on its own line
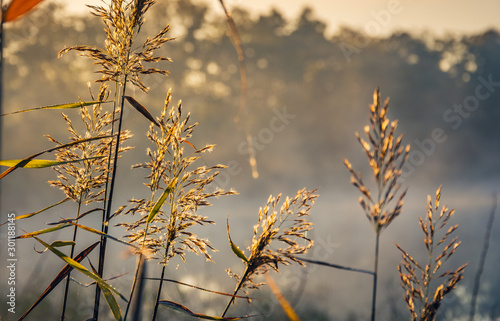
point(418, 280)
point(386, 156)
point(286, 224)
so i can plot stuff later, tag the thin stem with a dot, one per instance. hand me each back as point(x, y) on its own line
point(68, 278)
point(482, 259)
point(375, 273)
point(336, 266)
point(238, 286)
point(159, 293)
point(157, 301)
point(107, 213)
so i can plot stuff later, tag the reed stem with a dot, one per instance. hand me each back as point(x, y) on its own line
point(68, 278)
point(375, 273)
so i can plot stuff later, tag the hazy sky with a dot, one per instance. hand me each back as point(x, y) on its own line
point(378, 16)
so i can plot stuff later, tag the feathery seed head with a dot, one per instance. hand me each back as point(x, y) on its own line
point(386, 158)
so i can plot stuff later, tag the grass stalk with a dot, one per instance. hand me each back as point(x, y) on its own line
point(68, 278)
point(157, 301)
point(337, 266)
point(375, 274)
point(109, 199)
point(482, 259)
point(235, 292)
point(158, 294)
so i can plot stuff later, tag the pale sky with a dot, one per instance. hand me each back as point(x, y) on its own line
point(382, 16)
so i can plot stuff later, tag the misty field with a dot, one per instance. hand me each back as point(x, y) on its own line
point(169, 161)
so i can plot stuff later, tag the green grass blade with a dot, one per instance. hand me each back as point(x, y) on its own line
point(40, 163)
point(143, 110)
point(236, 250)
point(44, 231)
point(60, 276)
point(110, 299)
point(62, 243)
point(161, 200)
point(29, 158)
point(62, 106)
point(57, 244)
point(81, 268)
point(183, 309)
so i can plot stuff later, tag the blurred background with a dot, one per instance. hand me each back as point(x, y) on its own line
point(311, 75)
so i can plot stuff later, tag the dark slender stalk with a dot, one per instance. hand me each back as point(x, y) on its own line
point(482, 259)
point(108, 205)
point(238, 286)
point(159, 293)
point(375, 271)
point(336, 266)
point(68, 278)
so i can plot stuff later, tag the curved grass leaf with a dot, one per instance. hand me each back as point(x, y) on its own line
point(29, 158)
point(143, 110)
point(69, 220)
point(17, 8)
point(236, 250)
point(44, 231)
point(92, 230)
point(161, 200)
point(86, 285)
point(57, 244)
point(107, 289)
point(110, 299)
point(63, 106)
point(181, 308)
point(60, 276)
point(40, 163)
point(38, 212)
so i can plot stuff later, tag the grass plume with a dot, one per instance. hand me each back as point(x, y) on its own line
point(286, 223)
point(386, 156)
point(417, 279)
point(162, 230)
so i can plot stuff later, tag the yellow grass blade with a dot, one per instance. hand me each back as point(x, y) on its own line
point(236, 250)
point(44, 231)
point(38, 212)
point(29, 158)
point(62, 106)
point(40, 163)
